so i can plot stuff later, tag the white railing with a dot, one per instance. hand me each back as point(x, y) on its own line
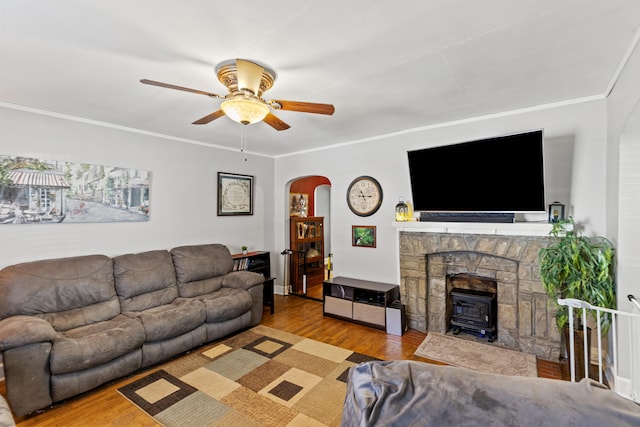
point(623, 364)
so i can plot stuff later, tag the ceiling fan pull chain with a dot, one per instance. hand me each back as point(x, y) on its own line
point(243, 143)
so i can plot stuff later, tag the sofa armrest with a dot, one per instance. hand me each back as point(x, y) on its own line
point(251, 282)
point(18, 331)
point(242, 280)
point(25, 344)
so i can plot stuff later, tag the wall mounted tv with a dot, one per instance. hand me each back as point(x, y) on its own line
point(501, 174)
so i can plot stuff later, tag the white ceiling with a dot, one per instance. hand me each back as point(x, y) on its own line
point(387, 66)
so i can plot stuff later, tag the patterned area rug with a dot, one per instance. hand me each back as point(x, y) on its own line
point(261, 377)
point(480, 357)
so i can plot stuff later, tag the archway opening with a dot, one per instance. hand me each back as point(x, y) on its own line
point(308, 234)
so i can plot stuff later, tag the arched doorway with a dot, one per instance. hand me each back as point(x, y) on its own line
point(308, 234)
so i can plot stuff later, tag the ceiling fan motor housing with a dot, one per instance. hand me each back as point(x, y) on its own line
point(227, 72)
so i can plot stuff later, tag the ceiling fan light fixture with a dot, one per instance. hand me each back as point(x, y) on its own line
point(245, 111)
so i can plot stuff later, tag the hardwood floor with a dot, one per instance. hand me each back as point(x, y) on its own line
point(104, 406)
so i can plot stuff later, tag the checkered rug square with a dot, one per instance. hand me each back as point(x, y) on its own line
point(260, 377)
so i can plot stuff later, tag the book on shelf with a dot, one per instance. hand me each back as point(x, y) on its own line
point(241, 264)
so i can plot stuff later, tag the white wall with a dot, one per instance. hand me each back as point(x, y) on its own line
point(575, 153)
point(183, 191)
point(624, 136)
point(183, 199)
point(624, 200)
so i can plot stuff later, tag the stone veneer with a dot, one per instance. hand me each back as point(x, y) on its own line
point(525, 317)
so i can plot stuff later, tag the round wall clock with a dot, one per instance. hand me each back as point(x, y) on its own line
point(364, 196)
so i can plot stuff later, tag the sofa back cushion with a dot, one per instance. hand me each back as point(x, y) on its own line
point(145, 280)
point(201, 268)
point(67, 292)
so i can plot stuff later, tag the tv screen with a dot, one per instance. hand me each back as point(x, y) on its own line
point(500, 174)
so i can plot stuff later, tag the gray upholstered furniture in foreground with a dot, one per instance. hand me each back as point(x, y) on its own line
point(6, 419)
point(409, 393)
point(71, 324)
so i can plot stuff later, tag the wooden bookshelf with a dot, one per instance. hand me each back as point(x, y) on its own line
point(307, 260)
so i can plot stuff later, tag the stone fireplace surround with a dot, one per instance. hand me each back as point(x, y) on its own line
point(525, 318)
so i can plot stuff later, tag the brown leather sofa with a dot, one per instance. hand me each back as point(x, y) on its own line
point(71, 324)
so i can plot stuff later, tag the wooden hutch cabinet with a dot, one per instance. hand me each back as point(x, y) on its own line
point(307, 260)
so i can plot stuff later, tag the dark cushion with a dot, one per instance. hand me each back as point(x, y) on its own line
point(226, 304)
point(67, 292)
point(201, 268)
point(145, 280)
point(91, 345)
point(242, 279)
point(170, 320)
point(200, 287)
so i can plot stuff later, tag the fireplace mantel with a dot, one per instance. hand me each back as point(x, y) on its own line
point(502, 229)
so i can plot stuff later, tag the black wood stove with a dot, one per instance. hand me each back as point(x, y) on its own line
point(474, 311)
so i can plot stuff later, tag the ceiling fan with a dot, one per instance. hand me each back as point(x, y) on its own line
point(246, 81)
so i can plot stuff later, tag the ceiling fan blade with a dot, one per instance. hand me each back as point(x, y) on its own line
point(186, 89)
point(306, 107)
point(275, 122)
point(209, 118)
point(249, 75)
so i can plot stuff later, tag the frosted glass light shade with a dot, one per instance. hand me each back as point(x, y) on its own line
point(244, 111)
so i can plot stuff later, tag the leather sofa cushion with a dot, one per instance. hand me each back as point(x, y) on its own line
point(226, 304)
point(88, 346)
point(145, 280)
point(200, 287)
point(200, 264)
point(67, 292)
point(160, 322)
point(242, 279)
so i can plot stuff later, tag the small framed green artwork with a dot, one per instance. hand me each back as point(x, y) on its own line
point(363, 235)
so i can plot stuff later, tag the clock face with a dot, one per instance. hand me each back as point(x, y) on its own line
point(364, 196)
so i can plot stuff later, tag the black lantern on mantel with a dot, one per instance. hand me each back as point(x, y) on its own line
point(556, 212)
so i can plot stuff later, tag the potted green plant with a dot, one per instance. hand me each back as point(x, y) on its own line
point(244, 249)
point(580, 267)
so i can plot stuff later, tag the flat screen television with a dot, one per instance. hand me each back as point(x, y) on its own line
point(503, 174)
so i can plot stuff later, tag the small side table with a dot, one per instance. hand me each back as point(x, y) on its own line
point(267, 293)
